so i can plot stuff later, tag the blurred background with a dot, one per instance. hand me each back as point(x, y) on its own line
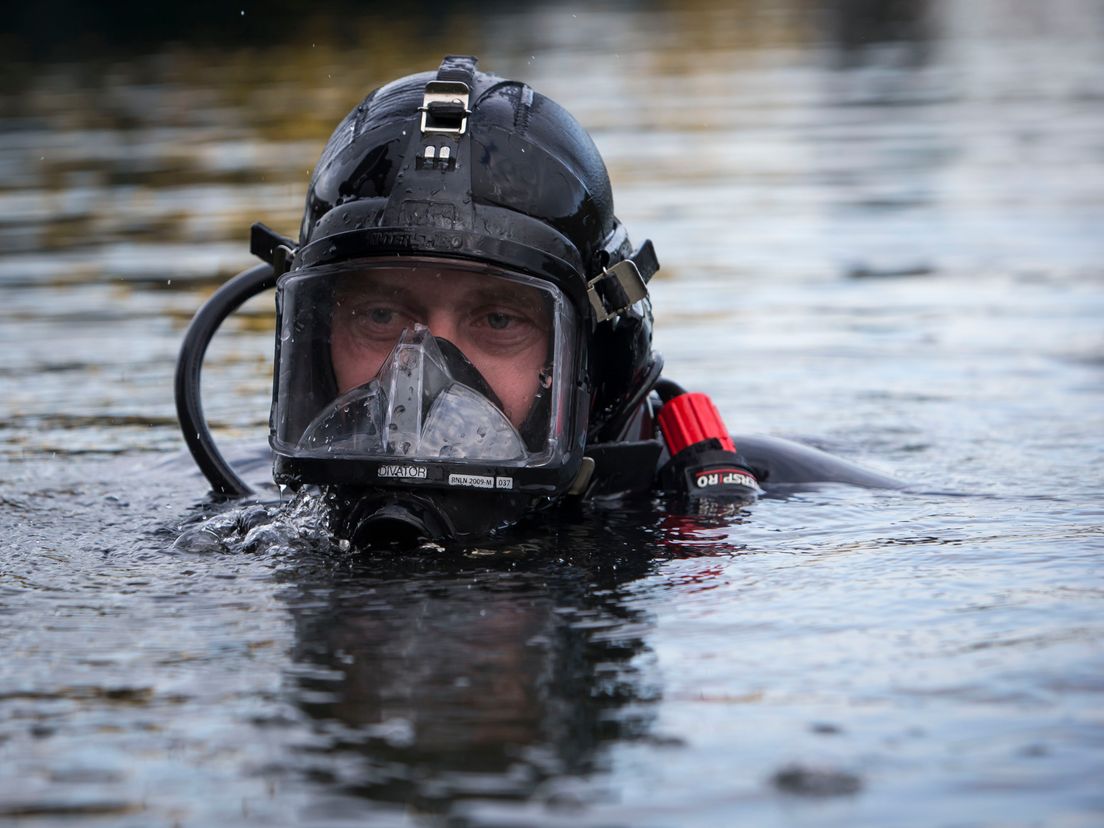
point(769, 147)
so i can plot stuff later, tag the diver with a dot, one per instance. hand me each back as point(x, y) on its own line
point(464, 330)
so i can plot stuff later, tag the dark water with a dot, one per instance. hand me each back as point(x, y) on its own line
point(880, 226)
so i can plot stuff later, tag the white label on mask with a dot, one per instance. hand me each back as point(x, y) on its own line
point(504, 482)
point(472, 481)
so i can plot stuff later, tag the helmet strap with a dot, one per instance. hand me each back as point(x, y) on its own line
point(439, 147)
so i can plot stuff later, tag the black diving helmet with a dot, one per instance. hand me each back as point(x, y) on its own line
point(461, 318)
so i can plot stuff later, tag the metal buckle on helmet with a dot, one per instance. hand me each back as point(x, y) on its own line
point(445, 107)
point(616, 290)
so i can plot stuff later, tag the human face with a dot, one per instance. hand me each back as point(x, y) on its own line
point(502, 327)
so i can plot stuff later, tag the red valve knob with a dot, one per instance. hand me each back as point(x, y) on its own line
point(689, 419)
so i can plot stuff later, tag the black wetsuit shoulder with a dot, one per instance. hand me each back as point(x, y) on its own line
point(633, 467)
point(776, 461)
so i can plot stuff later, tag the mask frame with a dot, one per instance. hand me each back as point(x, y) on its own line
point(543, 473)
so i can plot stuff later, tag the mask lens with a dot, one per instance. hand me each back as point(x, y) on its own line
point(464, 424)
point(352, 425)
point(421, 359)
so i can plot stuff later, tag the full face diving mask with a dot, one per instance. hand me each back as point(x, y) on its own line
point(429, 397)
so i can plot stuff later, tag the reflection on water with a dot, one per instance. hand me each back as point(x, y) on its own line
point(879, 225)
point(432, 687)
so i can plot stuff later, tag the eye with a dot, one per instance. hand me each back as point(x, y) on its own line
point(502, 330)
point(498, 321)
point(380, 316)
point(375, 321)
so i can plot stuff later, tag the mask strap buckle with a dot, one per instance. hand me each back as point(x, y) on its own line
point(616, 290)
point(445, 102)
point(268, 245)
point(445, 107)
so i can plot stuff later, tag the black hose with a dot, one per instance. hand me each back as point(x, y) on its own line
point(189, 366)
point(668, 390)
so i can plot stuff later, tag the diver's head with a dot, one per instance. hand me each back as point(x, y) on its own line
point(463, 313)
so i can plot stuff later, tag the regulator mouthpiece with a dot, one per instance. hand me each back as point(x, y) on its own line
point(373, 518)
point(403, 523)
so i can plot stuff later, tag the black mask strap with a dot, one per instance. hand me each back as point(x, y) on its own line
point(458, 68)
point(433, 189)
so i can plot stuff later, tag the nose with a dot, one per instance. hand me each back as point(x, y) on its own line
point(442, 323)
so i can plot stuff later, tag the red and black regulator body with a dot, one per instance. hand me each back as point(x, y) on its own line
point(703, 460)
